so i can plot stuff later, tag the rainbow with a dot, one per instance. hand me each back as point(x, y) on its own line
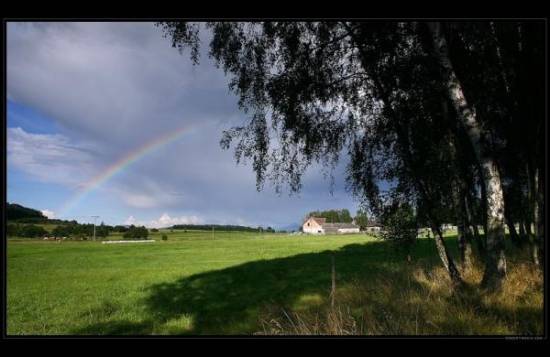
point(120, 165)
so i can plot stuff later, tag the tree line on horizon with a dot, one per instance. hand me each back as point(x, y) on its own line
point(333, 215)
point(221, 227)
point(22, 222)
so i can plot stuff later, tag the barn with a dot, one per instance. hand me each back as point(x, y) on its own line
point(317, 225)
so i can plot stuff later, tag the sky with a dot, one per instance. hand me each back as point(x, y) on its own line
point(107, 119)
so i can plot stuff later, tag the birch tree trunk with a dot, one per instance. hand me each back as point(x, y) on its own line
point(458, 190)
point(464, 232)
point(495, 263)
point(473, 224)
point(512, 231)
point(444, 255)
point(534, 210)
point(540, 217)
point(509, 221)
point(522, 231)
point(464, 243)
point(446, 259)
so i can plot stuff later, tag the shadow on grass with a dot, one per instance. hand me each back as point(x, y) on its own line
point(228, 301)
point(118, 327)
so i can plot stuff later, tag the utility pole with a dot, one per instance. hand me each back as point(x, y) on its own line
point(95, 218)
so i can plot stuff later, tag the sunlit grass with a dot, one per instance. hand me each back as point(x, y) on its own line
point(249, 283)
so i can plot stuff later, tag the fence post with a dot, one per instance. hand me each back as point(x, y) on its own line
point(333, 287)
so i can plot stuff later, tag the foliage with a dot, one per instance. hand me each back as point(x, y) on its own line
point(164, 237)
point(12, 229)
point(400, 226)
point(21, 222)
point(81, 230)
point(136, 233)
point(333, 216)
point(120, 229)
point(27, 231)
point(216, 227)
point(102, 230)
point(361, 218)
point(15, 211)
point(377, 91)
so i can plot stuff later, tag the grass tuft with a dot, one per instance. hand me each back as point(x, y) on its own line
point(424, 304)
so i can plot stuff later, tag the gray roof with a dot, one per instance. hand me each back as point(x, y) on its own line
point(334, 227)
point(339, 225)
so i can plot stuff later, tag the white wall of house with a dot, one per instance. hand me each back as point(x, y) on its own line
point(312, 227)
point(312, 230)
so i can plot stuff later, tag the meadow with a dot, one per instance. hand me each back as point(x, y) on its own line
point(249, 283)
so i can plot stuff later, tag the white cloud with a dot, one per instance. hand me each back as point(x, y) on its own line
point(48, 157)
point(48, 213)
point(164, 221)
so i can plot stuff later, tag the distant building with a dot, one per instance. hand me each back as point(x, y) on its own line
point(448, 227)
point(373, 227)
point(317, 225)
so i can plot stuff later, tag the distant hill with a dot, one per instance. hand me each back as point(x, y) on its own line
point(16, 212)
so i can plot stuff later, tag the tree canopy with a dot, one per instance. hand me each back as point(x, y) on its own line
point(448, 114)
point(15, 211)
point(333, 215)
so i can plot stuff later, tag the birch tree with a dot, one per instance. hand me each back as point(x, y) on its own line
point(314, 91)
point(495, 264)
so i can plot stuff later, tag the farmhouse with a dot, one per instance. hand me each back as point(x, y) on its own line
point(316, 225)
point(373, 227)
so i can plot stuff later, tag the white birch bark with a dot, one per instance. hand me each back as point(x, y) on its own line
point(495, 265)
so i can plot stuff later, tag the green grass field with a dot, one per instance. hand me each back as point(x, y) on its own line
point(246, 283)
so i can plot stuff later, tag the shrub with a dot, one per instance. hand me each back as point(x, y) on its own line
point(136, 233)
point(400, 227)
point(32, 231)
point(13, 230)
point(164, 237)
point(120, 229)
point(64, 230)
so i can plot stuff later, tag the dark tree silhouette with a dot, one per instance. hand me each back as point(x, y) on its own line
point(428, 107)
